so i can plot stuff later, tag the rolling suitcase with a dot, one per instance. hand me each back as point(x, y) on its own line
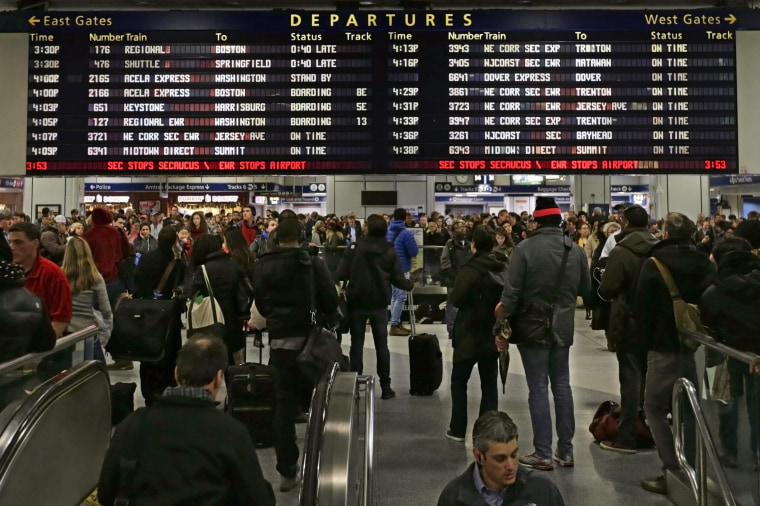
point(425, 359)
point(251, 400)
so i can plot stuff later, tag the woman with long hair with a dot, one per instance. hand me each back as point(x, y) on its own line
point(87, 285)
point(225, 278)
point(76, 230)
point(198, 225)
point(145, 242)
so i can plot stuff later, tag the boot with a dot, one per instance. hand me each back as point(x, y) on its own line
point(121, 365)
point(397, 330)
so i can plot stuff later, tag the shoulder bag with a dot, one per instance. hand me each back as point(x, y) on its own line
point(686, 315)
point(533, 325)
point(204, 314)
point(322, 348)
point(141, 327)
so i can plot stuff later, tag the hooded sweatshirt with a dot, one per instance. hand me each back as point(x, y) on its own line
point(729, 305)
point(108, 245)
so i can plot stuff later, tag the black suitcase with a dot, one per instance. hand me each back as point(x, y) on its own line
point(251, 400)
point(425, 359)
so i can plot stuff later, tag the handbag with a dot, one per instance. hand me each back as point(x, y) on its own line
point(141, 327)
point(204, 314)
point(606, 423)
point(321, 349)
point(533, 325)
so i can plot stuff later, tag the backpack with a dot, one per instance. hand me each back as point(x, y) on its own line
point(686, 315)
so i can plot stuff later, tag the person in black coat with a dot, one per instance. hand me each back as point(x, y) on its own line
point(281, 282)
point(24, 323)
point(667, 358)
point(187, 451)
point(156, 376)
point(370, 266)
point(6, 221)
point(225, 277)
point(476, 293)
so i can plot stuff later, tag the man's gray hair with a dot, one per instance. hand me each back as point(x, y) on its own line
point(679, 226)
point(493, 426)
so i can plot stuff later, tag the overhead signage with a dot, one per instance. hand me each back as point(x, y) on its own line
point(735, 180)
point(451, 188)
point(15, 183)
point(629, 188)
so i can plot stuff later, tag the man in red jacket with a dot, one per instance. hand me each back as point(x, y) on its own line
point(109, 247)
point(248, 223)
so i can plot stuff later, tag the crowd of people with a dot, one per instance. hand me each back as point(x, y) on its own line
point(60, 274)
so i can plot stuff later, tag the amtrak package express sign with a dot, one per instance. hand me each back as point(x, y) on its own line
point(382, 92)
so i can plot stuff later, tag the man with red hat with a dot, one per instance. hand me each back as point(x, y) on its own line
point(547, 272)
point(109, 247)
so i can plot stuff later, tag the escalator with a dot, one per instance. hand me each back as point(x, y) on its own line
point(716, 427)
point(338, 453)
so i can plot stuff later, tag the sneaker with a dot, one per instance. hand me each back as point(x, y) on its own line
point(451, 436)
point(617, 447)
point(288, 484)
point(564, 460)
point(537, 462)
point(388, 393)
point(657, 485)
point(121, 365)
point(396, 330)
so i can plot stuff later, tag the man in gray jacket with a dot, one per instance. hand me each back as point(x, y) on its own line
point(535, 278)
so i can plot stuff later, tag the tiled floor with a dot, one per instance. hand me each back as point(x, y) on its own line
point(413, 461)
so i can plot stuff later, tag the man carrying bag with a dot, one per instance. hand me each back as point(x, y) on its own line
point(546, 274)
point(281, 278)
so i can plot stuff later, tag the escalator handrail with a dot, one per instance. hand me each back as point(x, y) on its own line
point(40, 399)
point(684, 389)
point(60, 344)
point(369, 439)
point(315, 435)
point(711, 343)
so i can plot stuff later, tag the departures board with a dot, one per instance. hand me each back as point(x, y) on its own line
point(381, 92)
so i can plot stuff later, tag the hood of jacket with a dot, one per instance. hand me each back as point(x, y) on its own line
point(739, 275)
point(101, 216)
point(638, 240)
point(396, 225)
point(485, 259)
point(372, 245)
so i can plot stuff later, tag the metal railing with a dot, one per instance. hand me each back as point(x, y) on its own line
point(328, 464)
point(60, 344)
point(685, 396)
point(705, 450)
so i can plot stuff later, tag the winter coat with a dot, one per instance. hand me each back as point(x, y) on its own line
point(24, 322)
point(729, 306)
point(189, 453)
point(53, 245)
point(225, 277)
point(476, 293)
point(533, 269)
point(370, 266)
point(280, 282)
point(405, 244)
point(454, 256)
point(621, 277)
point(145, 245)
point(108, 245)
point(692, 271)
point(150, 270)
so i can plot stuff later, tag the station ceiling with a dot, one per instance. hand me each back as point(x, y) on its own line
point(103, 5)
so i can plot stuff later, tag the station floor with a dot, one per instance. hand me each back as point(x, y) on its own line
point(413, 460)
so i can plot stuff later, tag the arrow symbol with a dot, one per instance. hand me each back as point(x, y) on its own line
point(730, 18)
point(33, 20)
point(207, 187)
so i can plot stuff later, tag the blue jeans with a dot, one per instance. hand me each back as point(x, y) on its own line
point(398, 299)
point(542, 365)
point(93, 350)
point(488, 367)
point(378, 320)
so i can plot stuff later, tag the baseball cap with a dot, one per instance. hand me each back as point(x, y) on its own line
point(60, 219)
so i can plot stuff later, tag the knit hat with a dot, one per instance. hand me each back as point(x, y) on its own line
point(101, 216)
point(546, 207)
point(11, 274)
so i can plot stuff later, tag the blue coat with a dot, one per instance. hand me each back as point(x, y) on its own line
point(405, 245)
